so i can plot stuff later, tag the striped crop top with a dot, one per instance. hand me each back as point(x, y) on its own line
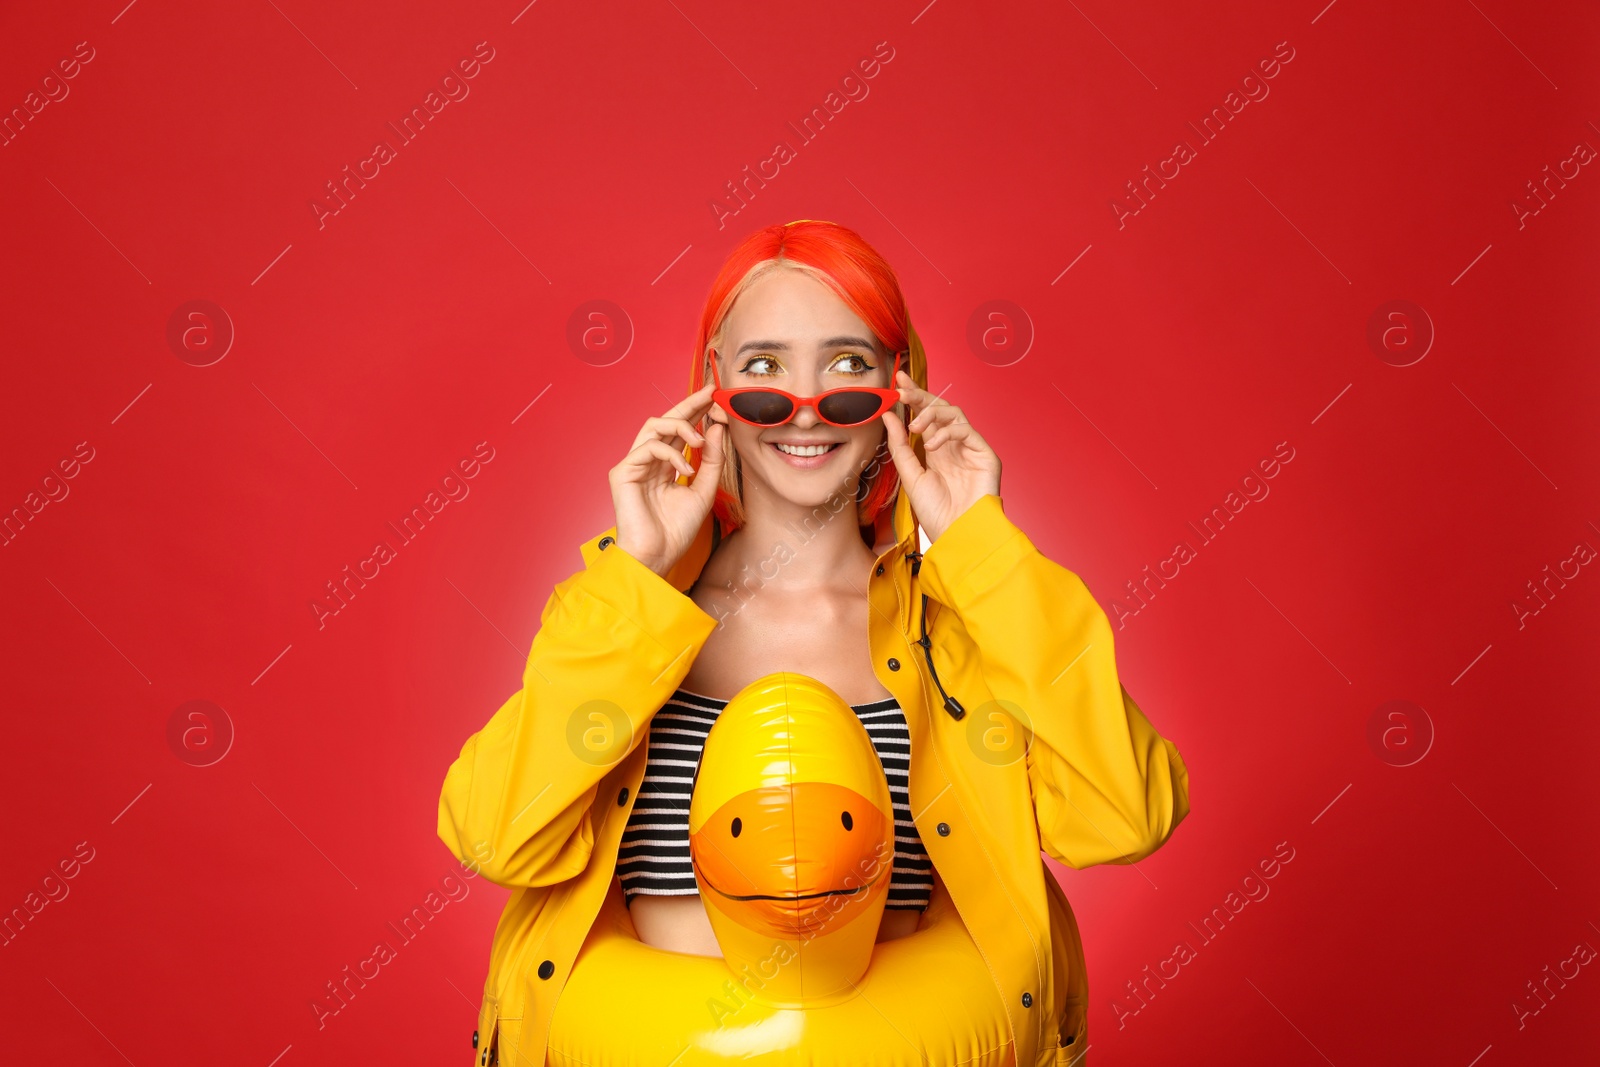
point(654, 855)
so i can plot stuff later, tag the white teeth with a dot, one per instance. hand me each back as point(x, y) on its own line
point(806, 450)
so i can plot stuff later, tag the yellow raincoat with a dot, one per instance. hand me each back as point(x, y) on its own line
point(1097, 783)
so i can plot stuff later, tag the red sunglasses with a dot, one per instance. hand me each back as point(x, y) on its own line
point(761, 405)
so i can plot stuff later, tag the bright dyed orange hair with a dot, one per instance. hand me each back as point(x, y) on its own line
point(839, 258)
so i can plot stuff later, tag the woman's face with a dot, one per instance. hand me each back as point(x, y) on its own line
point(790, 332)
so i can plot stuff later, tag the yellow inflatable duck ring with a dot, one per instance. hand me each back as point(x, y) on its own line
point(791, 834)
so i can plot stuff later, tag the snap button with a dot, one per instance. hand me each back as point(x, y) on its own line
point(879, 570)
point(894, 664)
point(1027, 1000)
point(622, 797)
point(474, 1039)
point(944, 829)
point(546, 969)
point(607, 542)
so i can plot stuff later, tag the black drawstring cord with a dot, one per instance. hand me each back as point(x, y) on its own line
point(951, 704)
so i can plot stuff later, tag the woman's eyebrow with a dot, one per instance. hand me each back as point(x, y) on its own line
point(847, 341)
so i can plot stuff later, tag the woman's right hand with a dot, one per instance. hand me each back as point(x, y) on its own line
point(657, 518)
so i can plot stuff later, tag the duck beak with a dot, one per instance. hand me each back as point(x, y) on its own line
point(805, 859)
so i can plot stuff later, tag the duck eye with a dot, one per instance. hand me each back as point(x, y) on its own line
point(737, 826)
point(844, 817)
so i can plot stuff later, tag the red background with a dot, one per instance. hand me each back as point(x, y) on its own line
point(374, 352)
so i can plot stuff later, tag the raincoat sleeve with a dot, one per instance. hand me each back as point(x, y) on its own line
point(1107, 787)
point(614, 642)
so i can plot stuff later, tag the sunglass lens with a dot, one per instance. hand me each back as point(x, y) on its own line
point(850, 408)
point(768, 409)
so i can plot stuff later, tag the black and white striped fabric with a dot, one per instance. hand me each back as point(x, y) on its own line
point(654, 854)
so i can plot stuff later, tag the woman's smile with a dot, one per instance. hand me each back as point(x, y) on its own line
point(805, 457)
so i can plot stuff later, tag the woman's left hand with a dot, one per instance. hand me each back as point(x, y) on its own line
point(961, 470)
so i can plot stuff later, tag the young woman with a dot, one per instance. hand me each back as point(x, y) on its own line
point(787, 539)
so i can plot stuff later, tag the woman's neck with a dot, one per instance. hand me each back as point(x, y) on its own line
point(792, 546)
